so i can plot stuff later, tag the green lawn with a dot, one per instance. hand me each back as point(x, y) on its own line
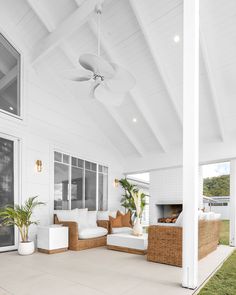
point(224, 232)
point(224, 281)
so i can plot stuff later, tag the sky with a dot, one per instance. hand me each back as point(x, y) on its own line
point(217, 169)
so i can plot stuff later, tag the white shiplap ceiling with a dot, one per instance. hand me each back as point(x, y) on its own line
point(139, 35)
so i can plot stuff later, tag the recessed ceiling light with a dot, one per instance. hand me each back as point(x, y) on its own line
point(134, 120)
point(11, 108)
point(176, 38)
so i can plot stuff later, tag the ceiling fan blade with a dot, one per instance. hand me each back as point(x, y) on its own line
point(97, 65)
point(105, 96)
point(94, 86)
point(76, 75)
point(122, 81)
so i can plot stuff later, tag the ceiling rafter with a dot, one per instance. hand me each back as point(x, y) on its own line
point(136, 97)
point(42, 14)
point(212, 83)
point(158, 61)
point(65, 29)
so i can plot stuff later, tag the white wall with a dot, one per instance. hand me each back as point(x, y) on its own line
point(54, 120)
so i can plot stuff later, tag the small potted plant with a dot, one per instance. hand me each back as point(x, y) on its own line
point(20, 216)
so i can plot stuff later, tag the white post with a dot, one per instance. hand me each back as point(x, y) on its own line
point(190, 143)
point(233, 203)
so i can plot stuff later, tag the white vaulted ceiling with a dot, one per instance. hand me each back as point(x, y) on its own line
point(139, 35)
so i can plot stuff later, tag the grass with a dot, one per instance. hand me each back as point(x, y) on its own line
point(224, 281)
point(224, 232)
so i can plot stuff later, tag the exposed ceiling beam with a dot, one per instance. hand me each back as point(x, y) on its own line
point(138, 101)
point(64, 30)
point(157, 59)
point(42, 14)
point(212, 85)
point(126, 130)
point(8, 79)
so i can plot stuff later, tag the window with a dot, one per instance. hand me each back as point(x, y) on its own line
point(79, 183)
point(9, 78)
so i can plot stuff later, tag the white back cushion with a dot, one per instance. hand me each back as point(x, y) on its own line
point(179, 221)
point(66, 215)
point(82, 218)
point(103, 215)
point(91, 219)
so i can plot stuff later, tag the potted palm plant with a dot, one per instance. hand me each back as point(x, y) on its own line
point(20, 216)
point(135, 201)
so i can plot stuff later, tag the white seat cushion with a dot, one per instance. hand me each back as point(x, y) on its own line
point(119, 230)
point(89, 233)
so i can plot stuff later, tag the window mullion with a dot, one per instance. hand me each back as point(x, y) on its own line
point(70, 181)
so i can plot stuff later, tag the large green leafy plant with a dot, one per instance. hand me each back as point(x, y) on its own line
point(20, 215)
point(131, 191)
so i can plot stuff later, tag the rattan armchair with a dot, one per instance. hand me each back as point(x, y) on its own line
point(75, 243)
point(165, 242)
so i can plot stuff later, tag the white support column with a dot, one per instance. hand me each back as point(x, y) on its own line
point(190, 143)
point(233, 203)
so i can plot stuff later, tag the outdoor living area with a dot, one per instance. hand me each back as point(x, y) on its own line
point(110, 113)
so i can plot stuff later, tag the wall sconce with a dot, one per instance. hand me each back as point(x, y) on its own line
point(116, 182)
point(39, 165)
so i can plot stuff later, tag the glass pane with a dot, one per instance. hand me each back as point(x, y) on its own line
point(76, 188)
point(74, 161)
point(80, 163)
point(61, 185)
point(6, 187)
point(87, 165)
point(94, 167)
point(105, 170)
point(65, 159)
point(100, 168)
point(102, 192)
point(57, 157)
point(90, 190)
point(9, 78)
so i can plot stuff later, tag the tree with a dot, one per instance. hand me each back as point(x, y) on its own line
point(216, 186)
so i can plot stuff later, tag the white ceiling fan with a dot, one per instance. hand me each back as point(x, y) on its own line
point(109, 81)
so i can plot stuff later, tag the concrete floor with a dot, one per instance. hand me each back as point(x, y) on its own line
point(96, 272)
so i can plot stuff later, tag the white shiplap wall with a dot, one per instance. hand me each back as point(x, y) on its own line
point(50, 123)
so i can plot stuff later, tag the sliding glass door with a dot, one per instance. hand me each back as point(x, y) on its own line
point(8, 160)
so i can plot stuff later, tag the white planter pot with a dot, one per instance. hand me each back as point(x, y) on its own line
point(26, 248)
point(137, 229)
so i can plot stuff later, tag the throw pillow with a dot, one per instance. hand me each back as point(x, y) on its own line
point(115, 222)
point(82, 218)
point(125, 218)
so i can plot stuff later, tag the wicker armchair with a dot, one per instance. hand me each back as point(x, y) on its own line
point(165, 242)
point(75, 243)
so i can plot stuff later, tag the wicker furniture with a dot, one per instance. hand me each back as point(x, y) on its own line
point(165, 242)
point(75, 243)
point(128, 243)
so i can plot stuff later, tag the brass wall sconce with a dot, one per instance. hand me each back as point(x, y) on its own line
point(116, 182)
point(39, 165)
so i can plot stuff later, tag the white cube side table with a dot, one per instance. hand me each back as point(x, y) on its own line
point(52, 239)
